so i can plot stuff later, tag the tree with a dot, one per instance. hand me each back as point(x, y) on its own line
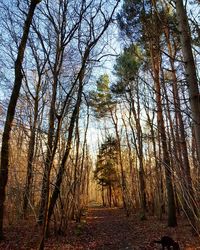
point(86, 45)
point(101, 100)
point(34, 94)
point(64, 37)
point(11, 109)
point(105, 172)
point(104, 105)
point(126, 68)
point(190, 69)
point(193, 89)
point(138, 16)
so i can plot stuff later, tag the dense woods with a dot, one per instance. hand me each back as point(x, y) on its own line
point(99, 104)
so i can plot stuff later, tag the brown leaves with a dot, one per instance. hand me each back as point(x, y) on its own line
point(105, 228)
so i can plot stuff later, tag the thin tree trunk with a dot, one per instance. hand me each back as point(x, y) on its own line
point(189, 203)
point(131, 169)
point(102, 196)
point(76, 177)
point(139, 151)
point(155, 57)
point(110, 195)
point(49, 154)
point(61, 170)
point(157, 166)
point(31, 149)
point(49, 206)
point(122, 172)
point(84, 171)
point(11, 110)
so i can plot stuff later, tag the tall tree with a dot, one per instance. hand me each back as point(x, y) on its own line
point(146, 18)
point(127, 68)
point(63, 37)
point(104, 106)
point(86, 45)
point(34, 93)
point(180, 141)
point(194, 95)
point(11, 109)
point(190, 69)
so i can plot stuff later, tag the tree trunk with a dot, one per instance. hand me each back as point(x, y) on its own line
point(188, 192)
point(155, 57)
point(131, 168)
point(49, 207)
point(122, 172)
point(158, 175)
point(76, 177)
point(84, 170)
point(190, 70)
point(49, 155)
point(61, 170)
point(31, 149)
point(139, 151)
point(11, 110)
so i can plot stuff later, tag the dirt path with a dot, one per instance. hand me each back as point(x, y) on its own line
point(110, 229)
point(103, 229)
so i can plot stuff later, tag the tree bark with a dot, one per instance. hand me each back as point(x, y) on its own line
point(155, 57)
point(186, 180)
point(31, 149)
point(190, 70)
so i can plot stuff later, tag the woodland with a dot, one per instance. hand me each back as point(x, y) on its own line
point(99, 124)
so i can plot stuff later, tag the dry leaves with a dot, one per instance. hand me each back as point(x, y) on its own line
point(104, 228)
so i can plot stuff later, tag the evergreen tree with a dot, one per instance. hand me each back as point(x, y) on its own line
point(106, 166)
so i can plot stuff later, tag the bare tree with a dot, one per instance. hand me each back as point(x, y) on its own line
point(11, 110)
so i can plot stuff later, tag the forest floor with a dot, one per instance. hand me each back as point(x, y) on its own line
point(103, 229)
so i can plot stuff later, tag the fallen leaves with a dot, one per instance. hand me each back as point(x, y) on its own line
point(103, 228)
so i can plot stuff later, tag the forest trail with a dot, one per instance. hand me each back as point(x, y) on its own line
point(110, 228)
point(104, 229)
